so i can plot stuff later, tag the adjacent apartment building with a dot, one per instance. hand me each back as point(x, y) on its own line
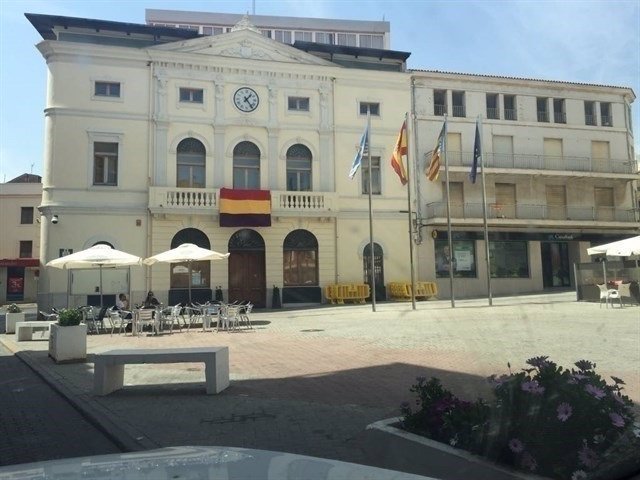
point(238, 141)
point(20, 238)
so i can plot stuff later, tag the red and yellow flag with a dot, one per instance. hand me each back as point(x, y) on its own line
point(245, 208)
point(399, 151)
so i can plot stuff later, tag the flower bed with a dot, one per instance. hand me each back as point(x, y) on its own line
point(560, 423)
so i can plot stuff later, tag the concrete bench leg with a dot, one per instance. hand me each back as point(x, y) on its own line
point(24, 333)
point(216, 373)
point(107, 378)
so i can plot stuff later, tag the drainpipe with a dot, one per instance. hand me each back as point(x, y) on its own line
point(335, 228)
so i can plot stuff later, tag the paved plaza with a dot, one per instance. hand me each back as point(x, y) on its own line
point(308, 381)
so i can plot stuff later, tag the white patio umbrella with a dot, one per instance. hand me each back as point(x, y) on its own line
point(97, 256)
point(621, 248)
point(187, 252)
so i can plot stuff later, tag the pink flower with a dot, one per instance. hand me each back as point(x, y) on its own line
point(564, 411)
point(595, 391)
point(588, 457)
point(515, 445)
point(532, 386)
point(616, 419)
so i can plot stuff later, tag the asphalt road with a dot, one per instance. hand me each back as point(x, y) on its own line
point(36, 423)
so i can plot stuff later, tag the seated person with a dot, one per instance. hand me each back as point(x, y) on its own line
point(122, 304)
point(151, 301)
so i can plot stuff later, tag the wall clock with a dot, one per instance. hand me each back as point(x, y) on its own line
point(246, 99)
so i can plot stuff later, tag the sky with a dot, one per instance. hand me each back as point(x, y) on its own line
point(576, 41)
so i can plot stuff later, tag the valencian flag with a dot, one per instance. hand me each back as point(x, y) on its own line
point(400, 150)
point(477, 153)
point(434, 166)
point(364, 140)
point(245, 208)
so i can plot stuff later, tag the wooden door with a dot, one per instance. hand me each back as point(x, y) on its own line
point(247, 278)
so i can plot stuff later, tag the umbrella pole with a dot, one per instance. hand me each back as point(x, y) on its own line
point(189, 282)
point(100, 267)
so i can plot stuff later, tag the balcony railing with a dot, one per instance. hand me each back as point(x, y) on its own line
point(545, 162)
point(203, 200)
point(510, 114)
point(493, 113)
point(458, 111)
point(590, 120)
point(606, 121)
point(532, 212)
point(559, 117)
point(439, 110)
point(543, 116)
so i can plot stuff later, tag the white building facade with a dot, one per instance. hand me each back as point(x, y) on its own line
point(154, 134)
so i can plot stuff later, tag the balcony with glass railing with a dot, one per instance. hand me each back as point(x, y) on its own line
point(206, 201)
point(545, 162)
point(541, 212)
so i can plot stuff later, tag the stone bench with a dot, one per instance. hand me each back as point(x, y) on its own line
point(24, 330)
point(109, 366)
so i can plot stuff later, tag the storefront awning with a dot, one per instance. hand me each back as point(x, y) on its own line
point(19, 262)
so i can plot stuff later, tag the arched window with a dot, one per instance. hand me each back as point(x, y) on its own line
point(200, 271)
point(191, 164)
point(246, 166)
point(102, 242)
point(298, 169)
point(300, 263)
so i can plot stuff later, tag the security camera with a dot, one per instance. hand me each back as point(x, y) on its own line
point(54, 219)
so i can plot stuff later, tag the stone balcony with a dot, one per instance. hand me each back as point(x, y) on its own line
point(205, 201)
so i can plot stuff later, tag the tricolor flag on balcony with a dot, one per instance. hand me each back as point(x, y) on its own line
point(245, 208)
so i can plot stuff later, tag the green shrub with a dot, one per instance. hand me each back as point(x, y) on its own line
point(566, 424)
point(69, 317)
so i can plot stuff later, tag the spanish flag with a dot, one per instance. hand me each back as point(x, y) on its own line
point(433, 170)
point(400, 150)
point(245, 208)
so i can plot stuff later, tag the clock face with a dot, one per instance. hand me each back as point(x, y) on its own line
point(246, 99)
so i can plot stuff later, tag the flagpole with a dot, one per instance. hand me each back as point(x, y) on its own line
point(446, 176)
point(410, 213)
point(484, 217)
point(372, 252)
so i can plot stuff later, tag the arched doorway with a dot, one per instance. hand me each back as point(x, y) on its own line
point(300, 270)
point(200, 271)
point(247, 272)
point(378, 269)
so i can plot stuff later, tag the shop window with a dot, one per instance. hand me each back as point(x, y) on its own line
point(509, 259)
point(463, 260)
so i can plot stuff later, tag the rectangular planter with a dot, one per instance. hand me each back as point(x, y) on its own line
point(68, 344)
point(390, 447)
point(10, 321)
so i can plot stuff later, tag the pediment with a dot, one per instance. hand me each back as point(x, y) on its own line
point(243, 44)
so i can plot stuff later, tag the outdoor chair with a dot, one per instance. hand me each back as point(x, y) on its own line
point(244, 315)
point(228, 317)
point(116, 320)
point(144, 318)
point(172, 316)
point(208, 312)
point(89, 318)
point(607, 294)
point(624, 291)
